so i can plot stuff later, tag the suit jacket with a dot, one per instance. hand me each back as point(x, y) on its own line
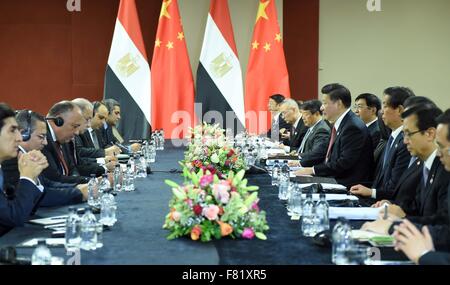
point(16, 211)
point(297, 136)
point(54, 171)
point(86, 148)
point(55, 193)
point(374, 132)
point(405, 191)
point(316, 145)
point(278, 125)
point(397, 162)
point(430, 205)
point(85, 165)
point(378, 151)
point(351, 157)
point(435, 258)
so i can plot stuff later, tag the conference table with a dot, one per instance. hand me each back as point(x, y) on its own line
point(138, 236)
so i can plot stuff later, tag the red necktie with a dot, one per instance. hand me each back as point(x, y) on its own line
point(333, 137)
point(61, 158)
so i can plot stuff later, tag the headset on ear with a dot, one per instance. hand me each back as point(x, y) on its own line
point(26, 133)
point(59, 122)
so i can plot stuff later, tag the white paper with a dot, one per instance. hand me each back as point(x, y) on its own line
point(335, 197)
point(326, 186)
point(50, 242)
point(50, 220)
point(350, 213)
point(362, 235)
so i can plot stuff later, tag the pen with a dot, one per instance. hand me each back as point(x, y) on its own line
point(59, 218)
point(385, 212)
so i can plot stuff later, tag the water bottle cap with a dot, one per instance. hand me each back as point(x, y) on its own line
point(42, 241)
point(117, 166)
point(276, 161)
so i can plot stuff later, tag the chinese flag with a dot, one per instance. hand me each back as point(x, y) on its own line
point(172, 83)
point(266, 72)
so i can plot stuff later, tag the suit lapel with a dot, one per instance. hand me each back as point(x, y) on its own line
point(430, 182)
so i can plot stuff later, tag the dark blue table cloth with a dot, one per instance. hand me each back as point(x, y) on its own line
point(138, 236)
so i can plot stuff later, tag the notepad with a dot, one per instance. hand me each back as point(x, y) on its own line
point(333, 197)
point(364, 213)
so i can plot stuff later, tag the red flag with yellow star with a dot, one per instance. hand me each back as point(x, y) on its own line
point(172, 83)
point(267, 71)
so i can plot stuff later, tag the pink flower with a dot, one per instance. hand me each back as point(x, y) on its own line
point(221, 193)
point(248, 233)
point(225, 182)
point(176, 216)
point(211, 212)
point(255, 206)
point(189, 202)
point(206, 180)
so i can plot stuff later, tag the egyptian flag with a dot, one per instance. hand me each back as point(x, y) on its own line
point(267, 72)
point(172, 82)
point(127, 78)
point(219, 75)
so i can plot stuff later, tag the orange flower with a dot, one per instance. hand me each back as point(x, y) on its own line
point(196, 232)
point(225, 229)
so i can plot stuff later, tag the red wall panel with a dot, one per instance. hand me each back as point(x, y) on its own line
point(301, 45)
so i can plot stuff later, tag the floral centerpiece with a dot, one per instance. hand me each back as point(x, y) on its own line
point(207, 207)
point(209, 150)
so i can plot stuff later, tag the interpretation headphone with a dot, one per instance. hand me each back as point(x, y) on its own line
point(59, 122)
point(26, 134)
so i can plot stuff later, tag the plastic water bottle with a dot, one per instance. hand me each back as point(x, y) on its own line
point(104, 185)
point(322, 221)
point(41, 255)
point(73, 230)
point(108, 209)
point(161, 132)
point(151, 153)
point(283, 188)
point(117, 178)
point(276, 171)
point(128, 182)
point(341, 241)
point(285, 170)
point(88, 231)
point(132, 163)
point(92, 191)
point(141, 167)
point(308, 217)
point(295, 201)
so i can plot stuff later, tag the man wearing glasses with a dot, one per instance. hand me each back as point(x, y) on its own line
point(430, 205)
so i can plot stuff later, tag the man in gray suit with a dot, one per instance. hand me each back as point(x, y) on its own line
point(313, 147)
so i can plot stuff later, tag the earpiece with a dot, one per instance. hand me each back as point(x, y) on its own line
point(59, 122)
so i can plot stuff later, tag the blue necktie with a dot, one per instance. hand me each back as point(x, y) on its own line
point(387, 150)
point(425, 173)
point(1, 179)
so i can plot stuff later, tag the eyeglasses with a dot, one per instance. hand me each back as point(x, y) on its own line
point(409, 135)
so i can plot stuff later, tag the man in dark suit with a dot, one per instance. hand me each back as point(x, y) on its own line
point(430, 205)
point(291, 114)
point(64, 120)
point(278, 123)
point(88, 165)
point(16, 211)
point(313, 147)
point(367, 107)
point(396, 158)
point(349, 156)
point(55, 193)
point(421, 246)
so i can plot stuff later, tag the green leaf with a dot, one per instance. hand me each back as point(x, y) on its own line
point(171, 183)
point(180, 194)
point(261, 236)
point(250, 199)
